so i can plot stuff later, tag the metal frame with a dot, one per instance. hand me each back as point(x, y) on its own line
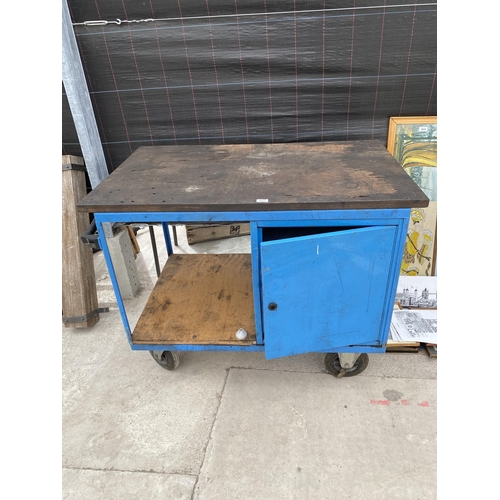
point(313, 217)
point(258, 221)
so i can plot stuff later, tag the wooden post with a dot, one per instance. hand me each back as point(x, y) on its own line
point(79, 293)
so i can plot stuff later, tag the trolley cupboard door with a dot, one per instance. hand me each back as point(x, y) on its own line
point(325, 291)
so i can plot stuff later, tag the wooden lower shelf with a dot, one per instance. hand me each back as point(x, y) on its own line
point(200, 299)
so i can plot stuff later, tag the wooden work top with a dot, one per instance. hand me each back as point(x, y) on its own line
point(257, 177)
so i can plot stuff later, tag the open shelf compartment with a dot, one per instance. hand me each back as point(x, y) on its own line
point(200, 299)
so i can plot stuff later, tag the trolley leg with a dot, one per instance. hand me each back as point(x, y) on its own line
point(155, 251)
point(174, 230)
point(166, 233)
point(348, 359)
point(345, 364)
point(102, 231)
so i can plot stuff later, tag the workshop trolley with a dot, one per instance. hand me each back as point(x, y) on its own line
point(328, 224)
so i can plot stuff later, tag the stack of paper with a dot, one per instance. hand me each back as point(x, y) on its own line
point(414, 325)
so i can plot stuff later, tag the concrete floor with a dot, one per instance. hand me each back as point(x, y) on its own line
point(234, 425)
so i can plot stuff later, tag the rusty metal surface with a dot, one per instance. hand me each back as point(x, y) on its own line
point(298, 176)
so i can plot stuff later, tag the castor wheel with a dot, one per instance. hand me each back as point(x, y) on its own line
point(333, 367)
point(167, 359)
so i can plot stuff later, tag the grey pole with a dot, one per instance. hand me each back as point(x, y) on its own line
point(80, 104)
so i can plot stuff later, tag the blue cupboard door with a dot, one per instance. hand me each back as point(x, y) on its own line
point(326, 291)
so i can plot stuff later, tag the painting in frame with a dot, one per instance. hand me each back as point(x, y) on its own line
point(413, 142)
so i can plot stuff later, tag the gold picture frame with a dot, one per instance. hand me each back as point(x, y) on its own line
point(412, 141)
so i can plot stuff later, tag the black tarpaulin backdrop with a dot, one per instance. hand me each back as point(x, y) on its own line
point(226, 72)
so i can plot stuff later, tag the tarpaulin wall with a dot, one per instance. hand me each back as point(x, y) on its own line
point(251, 71)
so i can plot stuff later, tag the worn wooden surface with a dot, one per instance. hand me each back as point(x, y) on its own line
point(199, 299)
point(395, 346)
point(197, 233)
point(257, 177)
point(79, 293)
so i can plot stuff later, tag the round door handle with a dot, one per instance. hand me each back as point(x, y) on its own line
point(272, 306)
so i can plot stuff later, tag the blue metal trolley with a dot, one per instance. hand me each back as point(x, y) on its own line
point(328, 223)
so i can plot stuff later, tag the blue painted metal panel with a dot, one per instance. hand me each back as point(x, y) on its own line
point(348, 221)
point(255, 241)
point(112, 274)
point(168, 241)
point(196, 347)
point(239, 348)
point(399, 244)
point(380, 216)
point(330, 290)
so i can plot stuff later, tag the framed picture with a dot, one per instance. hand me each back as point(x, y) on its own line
point(413, 142)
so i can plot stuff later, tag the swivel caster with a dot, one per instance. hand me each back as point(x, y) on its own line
point(167, 359)
point(333, 365)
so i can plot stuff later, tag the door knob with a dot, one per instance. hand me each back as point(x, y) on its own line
point(272, 306)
